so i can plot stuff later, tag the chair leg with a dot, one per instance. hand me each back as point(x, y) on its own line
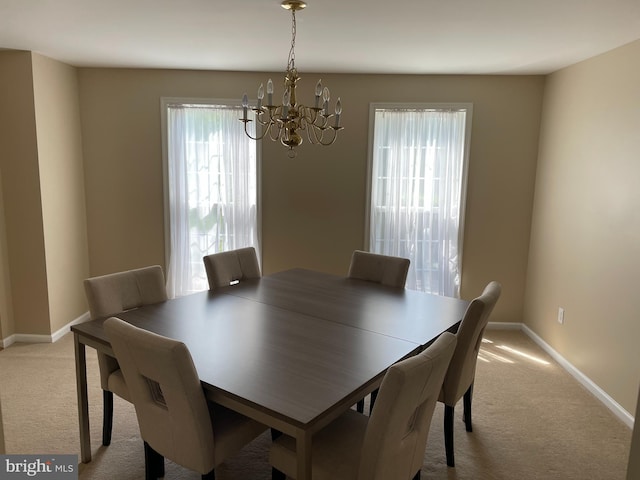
point(448, 434)
point(209, 476)
point(360, 406)
point(107, 416)
point(374, 395)
point(468, 395)
point(153, 463)
point(277, 474)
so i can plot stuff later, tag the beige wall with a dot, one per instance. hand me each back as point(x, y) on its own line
point(2, 446)
point(21, 195)
point(62, 187)
point(585, 240)
point(313, 205)
point(6, 304)
point(43, 249)
point(633, 469)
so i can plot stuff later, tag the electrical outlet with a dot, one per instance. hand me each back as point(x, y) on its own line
point(561, 316)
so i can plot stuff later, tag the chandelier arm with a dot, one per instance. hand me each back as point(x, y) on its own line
point(303, 119)
point(314, 138)
point(257, 137)
point(323, 121)
point(309, 115)
point(268, 119)
point(260, 118)
point(312, 134)
point(275, 114)
point(274, 127)
point(333, 138)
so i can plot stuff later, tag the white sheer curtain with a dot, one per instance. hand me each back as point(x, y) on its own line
point(211, 176)
point(416, 184)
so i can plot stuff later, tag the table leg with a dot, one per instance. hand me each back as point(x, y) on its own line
point(83, 399)
point(303, 449)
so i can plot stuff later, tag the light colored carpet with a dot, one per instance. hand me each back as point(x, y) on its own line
point(531, 420)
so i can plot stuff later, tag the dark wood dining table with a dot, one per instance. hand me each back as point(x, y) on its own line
point(292, 350)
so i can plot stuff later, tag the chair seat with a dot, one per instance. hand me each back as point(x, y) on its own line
point(118, 386)
point(336, 449)
point(231, 431)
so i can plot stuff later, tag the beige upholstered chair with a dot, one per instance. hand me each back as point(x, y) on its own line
point(111, 294)
point(384, 269)
point(225, 268)
point(174, 417)
point(459, 379)
point(388, 445)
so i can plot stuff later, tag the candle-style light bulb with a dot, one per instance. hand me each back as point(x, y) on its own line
point(285, 104)
point(245, 104)
point(338, 112)
point(318, 93)
point(269, 92)
point(326, 96)
point(260, 95)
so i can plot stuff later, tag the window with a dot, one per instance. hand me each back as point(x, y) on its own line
point(417, 165)
point(210, 188)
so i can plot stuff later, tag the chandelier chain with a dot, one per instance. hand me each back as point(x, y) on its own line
point(291, 63)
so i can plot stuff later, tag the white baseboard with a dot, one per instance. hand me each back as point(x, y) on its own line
point(585, 381)
point(504, 326)
point(32, 338)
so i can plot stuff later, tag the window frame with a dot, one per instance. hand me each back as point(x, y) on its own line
point(165, 102)
point(468, 107)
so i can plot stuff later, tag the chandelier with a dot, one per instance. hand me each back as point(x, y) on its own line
point(286, 122)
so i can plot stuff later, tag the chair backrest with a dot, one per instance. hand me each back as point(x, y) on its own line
point(396, 436)
point(462, 369)
point(235, 265)
point(383, 269)
point(170, 404)
point(118, 292)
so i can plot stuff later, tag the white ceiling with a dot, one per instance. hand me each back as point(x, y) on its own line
point(334, 36)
